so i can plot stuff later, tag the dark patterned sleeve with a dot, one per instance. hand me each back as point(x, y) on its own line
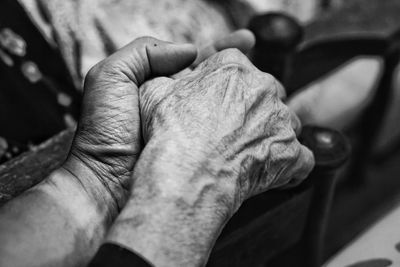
point(110, 255)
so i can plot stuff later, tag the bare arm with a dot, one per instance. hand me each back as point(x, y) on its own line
point(57, 223)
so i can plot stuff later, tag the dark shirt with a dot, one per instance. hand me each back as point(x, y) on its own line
point(110, 255)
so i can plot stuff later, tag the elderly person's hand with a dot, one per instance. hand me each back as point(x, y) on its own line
point(214, 137)
point(226, 118)
point(108, 140)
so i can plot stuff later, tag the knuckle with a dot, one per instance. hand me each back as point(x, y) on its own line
point(274, 84)
point(306, 162)
point(296, 123)
point(270, 79)
point(283, 115)
point(233, 55)
point(104, 71)
point(103, 67)
point(95, 72)
point(155, 88)
point(280, 89)
point(268, 85)
point(310, 160)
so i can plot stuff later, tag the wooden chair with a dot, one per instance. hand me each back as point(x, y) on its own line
point(279, 51)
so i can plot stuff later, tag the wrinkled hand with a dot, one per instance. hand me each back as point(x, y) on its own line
point(224, 119)
point(108, 139)
point(214, 136)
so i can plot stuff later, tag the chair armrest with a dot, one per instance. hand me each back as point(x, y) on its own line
point(31, 167)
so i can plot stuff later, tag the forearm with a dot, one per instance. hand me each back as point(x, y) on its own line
point(56, 223)
point(175, 214)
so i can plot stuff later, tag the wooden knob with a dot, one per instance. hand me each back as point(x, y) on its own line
point(276, 31)
point(277, 36)
point(331, 149)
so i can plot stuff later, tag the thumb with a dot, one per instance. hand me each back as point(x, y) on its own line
point(112, 84)
point(148, 57)
point(110, 104)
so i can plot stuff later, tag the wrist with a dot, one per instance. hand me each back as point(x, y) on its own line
point(107, 166)
point(83, 196)
point(102, 186)
point(177, 208)
point(86, 218)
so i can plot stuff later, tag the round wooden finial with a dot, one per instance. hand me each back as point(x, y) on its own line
point(331, 149)
point(276, 30)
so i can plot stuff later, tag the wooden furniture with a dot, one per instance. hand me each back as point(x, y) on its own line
point(280, 51)
point(28, 169)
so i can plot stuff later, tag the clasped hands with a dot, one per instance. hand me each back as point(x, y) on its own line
point(166, 153)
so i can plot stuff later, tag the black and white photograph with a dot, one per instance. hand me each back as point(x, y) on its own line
point(191, 133)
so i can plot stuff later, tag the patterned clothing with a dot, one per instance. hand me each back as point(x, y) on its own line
point(37, 95)
point(47, 47)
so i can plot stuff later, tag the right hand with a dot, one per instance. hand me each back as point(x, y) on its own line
point(223, 120)
point(214, 137)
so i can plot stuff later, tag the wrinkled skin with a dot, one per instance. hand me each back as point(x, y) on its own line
point(214, 136)
point(228, 120)
point(108, 140)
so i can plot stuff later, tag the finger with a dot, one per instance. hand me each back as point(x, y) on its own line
point(295, 122)
point(243, 40)
point(292, 183)
point(281, 90)
point(297, 171)
point(302, 167)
